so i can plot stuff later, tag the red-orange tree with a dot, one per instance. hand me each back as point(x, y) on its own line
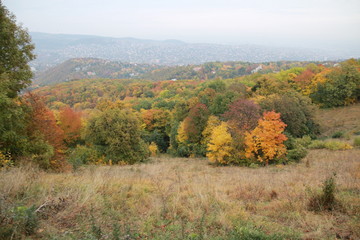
point(265, 142)
point(46, 137)
point(70, 123)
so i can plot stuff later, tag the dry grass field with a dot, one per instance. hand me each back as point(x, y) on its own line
point(342, 119)
point(174, 198)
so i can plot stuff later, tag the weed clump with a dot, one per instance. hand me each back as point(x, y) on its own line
point(356, 142)
point(325, 201)
point(19, 221)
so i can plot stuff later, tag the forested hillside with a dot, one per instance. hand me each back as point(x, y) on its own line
point(92, 68)
point(179, 116)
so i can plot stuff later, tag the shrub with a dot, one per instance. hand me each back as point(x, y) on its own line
point(82, 155)
point(305, 141)
point(325, 201)
point(317, 144)
point(297, 153)
point(5, 160)
point(338, 135)
point(334, 145)
point(331, 145)
point(297, 148)
point(17, 221)
point(356, 142)
point(153, 148)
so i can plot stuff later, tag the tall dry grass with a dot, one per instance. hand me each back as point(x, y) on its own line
point(183, 198)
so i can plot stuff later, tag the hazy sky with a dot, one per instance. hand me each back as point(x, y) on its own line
point(301, 23)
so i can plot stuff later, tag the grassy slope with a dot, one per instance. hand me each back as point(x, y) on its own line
point(173, 198)
point(177, 198)
point(344, 119)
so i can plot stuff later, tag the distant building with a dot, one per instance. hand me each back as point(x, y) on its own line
point(258, 68)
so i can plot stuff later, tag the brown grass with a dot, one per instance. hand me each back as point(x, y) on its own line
point(344, 119)
point(192, 195)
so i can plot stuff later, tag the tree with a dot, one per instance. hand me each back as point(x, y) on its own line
point(220, 145)
point(115, 133)
point(16, 53)
point(243, 114)
point(70, 123)
point(296, 110)
point(15, 74)
point(341, 86)
point(211, 124)
point(195, 122)
point(46, 146)
point(265, 142)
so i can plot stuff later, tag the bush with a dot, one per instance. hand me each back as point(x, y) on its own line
point(297, 148)
point(317, 144)
point(153, 148)
point(5, 160)
point(83, 155)
point(356, 142)
point(338, 135)
point(325, 201)
point(17, 222)
point(331, 145)
point(297, 153)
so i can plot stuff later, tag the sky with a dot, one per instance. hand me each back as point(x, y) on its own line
point(321, 24)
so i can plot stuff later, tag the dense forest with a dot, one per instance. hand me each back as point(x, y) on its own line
point(253, 119)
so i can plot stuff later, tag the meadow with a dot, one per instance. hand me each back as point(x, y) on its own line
point(178, 198)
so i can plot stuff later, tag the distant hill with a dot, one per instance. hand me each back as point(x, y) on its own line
point(94, 68)
point(90, 68)
point(53, 49)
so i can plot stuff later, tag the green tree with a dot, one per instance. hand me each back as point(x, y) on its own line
point(15, 74)
point(16, 53)
point(297, 112)
point(116, 134)
point(342, 86)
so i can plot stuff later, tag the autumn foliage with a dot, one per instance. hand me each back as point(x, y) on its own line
point(48, 145)
point(266, 142)
point(243, 114)
point(220, 146)
point(70, 123)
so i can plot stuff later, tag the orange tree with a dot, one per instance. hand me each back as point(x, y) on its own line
point(265, 142)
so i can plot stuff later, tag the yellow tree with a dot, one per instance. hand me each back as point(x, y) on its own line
point(212, 122)
point(182, 136)
point(265, 142)
point(220, 145)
